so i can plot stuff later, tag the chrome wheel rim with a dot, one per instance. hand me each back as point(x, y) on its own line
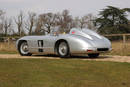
point(24, 48)
point(63, 48)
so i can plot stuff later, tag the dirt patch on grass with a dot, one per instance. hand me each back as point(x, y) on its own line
point(19, 56)
point(101, 58)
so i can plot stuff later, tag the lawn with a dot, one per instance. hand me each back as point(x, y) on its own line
point(63, 73)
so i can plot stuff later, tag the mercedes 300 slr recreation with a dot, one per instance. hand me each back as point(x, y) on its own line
point(78, 41)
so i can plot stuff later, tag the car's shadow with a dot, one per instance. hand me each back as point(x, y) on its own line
point(73, 57)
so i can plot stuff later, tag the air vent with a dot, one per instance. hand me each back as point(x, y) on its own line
point(102, 49)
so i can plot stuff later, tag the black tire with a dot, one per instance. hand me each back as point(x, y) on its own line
point(20, 49)
point(94, 55)
point(63, 52)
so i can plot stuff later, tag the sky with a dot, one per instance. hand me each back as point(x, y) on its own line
point(76, 7)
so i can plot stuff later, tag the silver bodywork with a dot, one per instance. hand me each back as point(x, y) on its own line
point(80, 41)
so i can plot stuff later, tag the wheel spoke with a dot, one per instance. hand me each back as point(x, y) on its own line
point(24, 48)
point(63, 48)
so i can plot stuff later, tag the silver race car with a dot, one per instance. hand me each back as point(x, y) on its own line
point(78, 41)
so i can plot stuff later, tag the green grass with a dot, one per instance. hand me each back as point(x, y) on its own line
point(63, 73)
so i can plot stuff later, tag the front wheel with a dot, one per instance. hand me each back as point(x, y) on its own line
point(63, 49)
point(93, 55)
point(23, 49)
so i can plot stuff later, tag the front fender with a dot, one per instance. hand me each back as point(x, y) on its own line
point(22, 38)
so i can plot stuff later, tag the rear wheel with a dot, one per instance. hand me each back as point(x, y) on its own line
point(63, 49)
point(23, 49)
point(94, 55)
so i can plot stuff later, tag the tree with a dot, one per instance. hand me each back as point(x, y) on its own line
point(1, 21)
point(65, 21)
point(7, 23)
point(111, 18)
point(30, 22)
point(39, 30)
point(47, 21)
point(19, 23)
point(85, 22)
point(90, 23)
point(1, 13)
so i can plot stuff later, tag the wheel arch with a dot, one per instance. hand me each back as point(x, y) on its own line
point(58, 42)
point(20, 41)
point(19, 46)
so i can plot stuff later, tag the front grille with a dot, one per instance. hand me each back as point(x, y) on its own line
point(102, 49)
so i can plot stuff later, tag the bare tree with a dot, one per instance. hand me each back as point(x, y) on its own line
point(6, 25)
point(83, 21)
point(39, 27)
point(30, 22)
point(1, 28)
point(19, 22)
point(65, 20)
point(90, 23)
point(47, 21)
point(1, 12)
point(1, 21)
